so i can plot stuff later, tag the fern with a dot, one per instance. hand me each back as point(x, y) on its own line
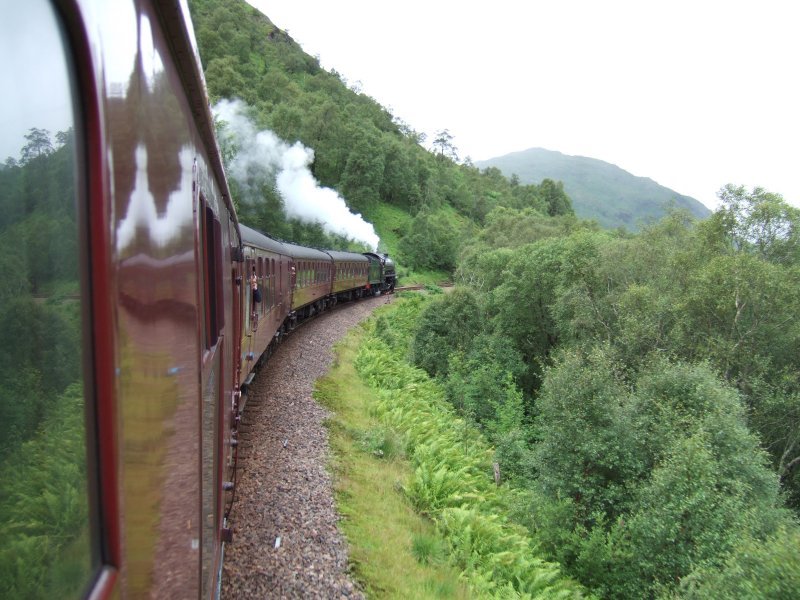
point(452, 481)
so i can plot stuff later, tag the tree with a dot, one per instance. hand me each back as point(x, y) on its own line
point(431, 241)
point(38, 144)
point(755, 569)
point(443, 143)
point(558, 203)
point(589, 449)
point(446, 325)
point(757, 222)
point(363, 171)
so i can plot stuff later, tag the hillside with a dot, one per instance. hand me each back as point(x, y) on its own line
point(599, 190)
point(637, 395)
point(423, 204)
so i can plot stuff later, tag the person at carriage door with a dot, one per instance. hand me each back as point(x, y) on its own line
point(254, 286)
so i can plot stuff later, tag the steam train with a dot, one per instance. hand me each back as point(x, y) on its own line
point(173, 301)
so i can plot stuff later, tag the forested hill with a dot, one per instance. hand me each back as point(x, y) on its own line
point(422, 201)
point(599, 190)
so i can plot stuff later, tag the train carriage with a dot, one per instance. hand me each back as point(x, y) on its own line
point(310, 280)
point(128, 326)
point(350, 274)
point(132, 284)
point(268, 261)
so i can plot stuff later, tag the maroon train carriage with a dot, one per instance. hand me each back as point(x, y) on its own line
point(128, 327)
point(118, 322)
point(311, 274)
point(263, 322)
point(350, 276)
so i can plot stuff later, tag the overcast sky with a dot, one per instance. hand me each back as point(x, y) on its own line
point(693, 94)
point(33, 59)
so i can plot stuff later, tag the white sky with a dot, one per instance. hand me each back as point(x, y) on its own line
point(691, 93)
point(36, 91)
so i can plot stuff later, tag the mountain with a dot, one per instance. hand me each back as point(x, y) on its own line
point(599, 190)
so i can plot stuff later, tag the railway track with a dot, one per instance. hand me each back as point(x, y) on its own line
point(286, 543)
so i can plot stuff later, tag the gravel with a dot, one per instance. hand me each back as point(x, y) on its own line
point(286, 543)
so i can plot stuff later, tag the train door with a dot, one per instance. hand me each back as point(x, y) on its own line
point(239, 292)
point(247, 295)
point(213, 384)
point(273, 284)
point(292, 282)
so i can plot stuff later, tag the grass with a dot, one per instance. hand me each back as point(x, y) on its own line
point(451, 482)
point(394, 552)
point(409, 277)
point(390, 222)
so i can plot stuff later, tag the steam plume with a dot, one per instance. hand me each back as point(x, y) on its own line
point(262, 156)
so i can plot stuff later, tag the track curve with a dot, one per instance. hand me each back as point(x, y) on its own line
point(284, 489)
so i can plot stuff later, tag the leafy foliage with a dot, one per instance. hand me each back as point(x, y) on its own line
point(451, 481)
point(360, 149)
point(42, 517)
point(659, 401)
point(44, 544)
point(446, 325)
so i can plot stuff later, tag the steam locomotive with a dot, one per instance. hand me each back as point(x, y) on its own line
point(134, 307)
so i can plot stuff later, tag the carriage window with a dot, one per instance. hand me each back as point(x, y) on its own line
point(272, 282)
point(48, 545)
point(211, 235)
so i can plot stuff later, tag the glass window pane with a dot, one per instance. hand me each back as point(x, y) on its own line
point(45, 539)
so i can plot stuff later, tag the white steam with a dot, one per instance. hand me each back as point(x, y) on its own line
point(261, 155)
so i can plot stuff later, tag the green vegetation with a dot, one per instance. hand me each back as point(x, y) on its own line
point(423, 203)
point(642, 389)
point(44, 506)
point(599, 190)
point(395, 553)
point(43, 533)
point(639, 392)
point(399, 445)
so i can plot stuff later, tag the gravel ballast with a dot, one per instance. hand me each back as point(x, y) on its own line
point(286, 543)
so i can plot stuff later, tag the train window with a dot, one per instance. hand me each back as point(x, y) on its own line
point(49, 536)
point(281, 265)
point(272, 278)
point(248, 269)
point(211, 236)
